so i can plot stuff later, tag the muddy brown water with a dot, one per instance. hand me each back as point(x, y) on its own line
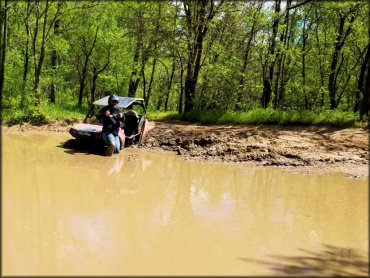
point(142, 213)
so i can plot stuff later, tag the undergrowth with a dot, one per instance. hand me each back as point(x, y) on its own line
point(42, 116)
point(71, 114)
point(266, 116)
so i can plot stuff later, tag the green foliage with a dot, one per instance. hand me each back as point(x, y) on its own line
point(157, 115)
point(157, 31)
point(14, 117)
point(265, 116)
point(66, 113)
point(69, 113)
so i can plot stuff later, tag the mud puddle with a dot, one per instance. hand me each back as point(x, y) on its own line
point(145, 213)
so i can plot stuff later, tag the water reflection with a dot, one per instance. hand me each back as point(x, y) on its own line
point(117, 165)
point(86, 214)
point(211, 205)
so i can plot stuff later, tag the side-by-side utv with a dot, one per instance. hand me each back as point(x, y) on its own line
point(89, 132)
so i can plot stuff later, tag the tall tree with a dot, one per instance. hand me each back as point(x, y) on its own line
point(97, 69)
point(199, 14)
point(39, 49)
point(54, 58)
point(255, 12)
point(281, 58)
point(26, 53)
point(361, 79)
point(157, 24)
point(3, 43)
point(87, 51)
point(343, 32)
point(169, 85)
point(365, 106)
point(38, 61)
point(320, 57)
point(268, 72)
point(134, 78)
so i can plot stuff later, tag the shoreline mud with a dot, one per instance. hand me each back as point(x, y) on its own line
point(312, 149)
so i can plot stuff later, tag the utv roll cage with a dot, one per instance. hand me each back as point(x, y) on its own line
point(124, 102)
point(133, 120)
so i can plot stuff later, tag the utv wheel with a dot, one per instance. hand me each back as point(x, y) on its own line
point(70, 144)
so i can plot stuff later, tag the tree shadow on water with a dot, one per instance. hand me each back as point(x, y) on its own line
point(330, 261)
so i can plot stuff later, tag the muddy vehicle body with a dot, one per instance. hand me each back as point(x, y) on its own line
point(89, 132)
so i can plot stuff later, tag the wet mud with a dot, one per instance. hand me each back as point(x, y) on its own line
point(318, 147)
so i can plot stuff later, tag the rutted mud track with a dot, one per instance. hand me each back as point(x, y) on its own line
point(345, 149)
point(266, 145)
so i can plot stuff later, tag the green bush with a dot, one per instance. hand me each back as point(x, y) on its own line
point(265, 116)
point(22, 116)
point(47, 113)
point(71, 114)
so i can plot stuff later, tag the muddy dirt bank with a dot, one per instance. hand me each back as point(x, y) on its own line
point(322, 148)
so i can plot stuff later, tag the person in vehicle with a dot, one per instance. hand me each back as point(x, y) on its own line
point(112, 118)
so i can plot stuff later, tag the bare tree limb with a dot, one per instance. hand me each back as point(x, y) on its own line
point(298, 5)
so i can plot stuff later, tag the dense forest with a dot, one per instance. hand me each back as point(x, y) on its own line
point(185, 55)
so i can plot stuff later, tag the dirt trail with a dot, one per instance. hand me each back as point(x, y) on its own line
point(325, 148)
point(317, 147)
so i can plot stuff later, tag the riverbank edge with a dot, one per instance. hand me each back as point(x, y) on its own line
point(349, 169)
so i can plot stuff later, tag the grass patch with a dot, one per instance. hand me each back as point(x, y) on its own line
point(265, 116)
point(70, 113)
point(15, 117)
point(47, 113)
point(169, 115)
point(73, 113)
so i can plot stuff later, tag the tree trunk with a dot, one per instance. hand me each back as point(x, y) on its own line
point(339, 42)
point(3, 47)
point(54, 58)
point(144, 84)
point(304, 40)
point(134, 79)
point(26, 57)
point(267, 80)
point(243, 71)
point(197, 20)
point(286, 60)
point(82, 80)
point(349, 74)
point(181, 91)
point(365, 106)
point(361, 79)
point(96, 73)
point(320, 60)
point(1, 29)
point(169, 86)
point(332, 86)
point(38, 64)
point(93, 87)
point(193, 72)
point(159, 103)
point(52, 86)
point(150, 83)
point(84, 69)
point(281, 57)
